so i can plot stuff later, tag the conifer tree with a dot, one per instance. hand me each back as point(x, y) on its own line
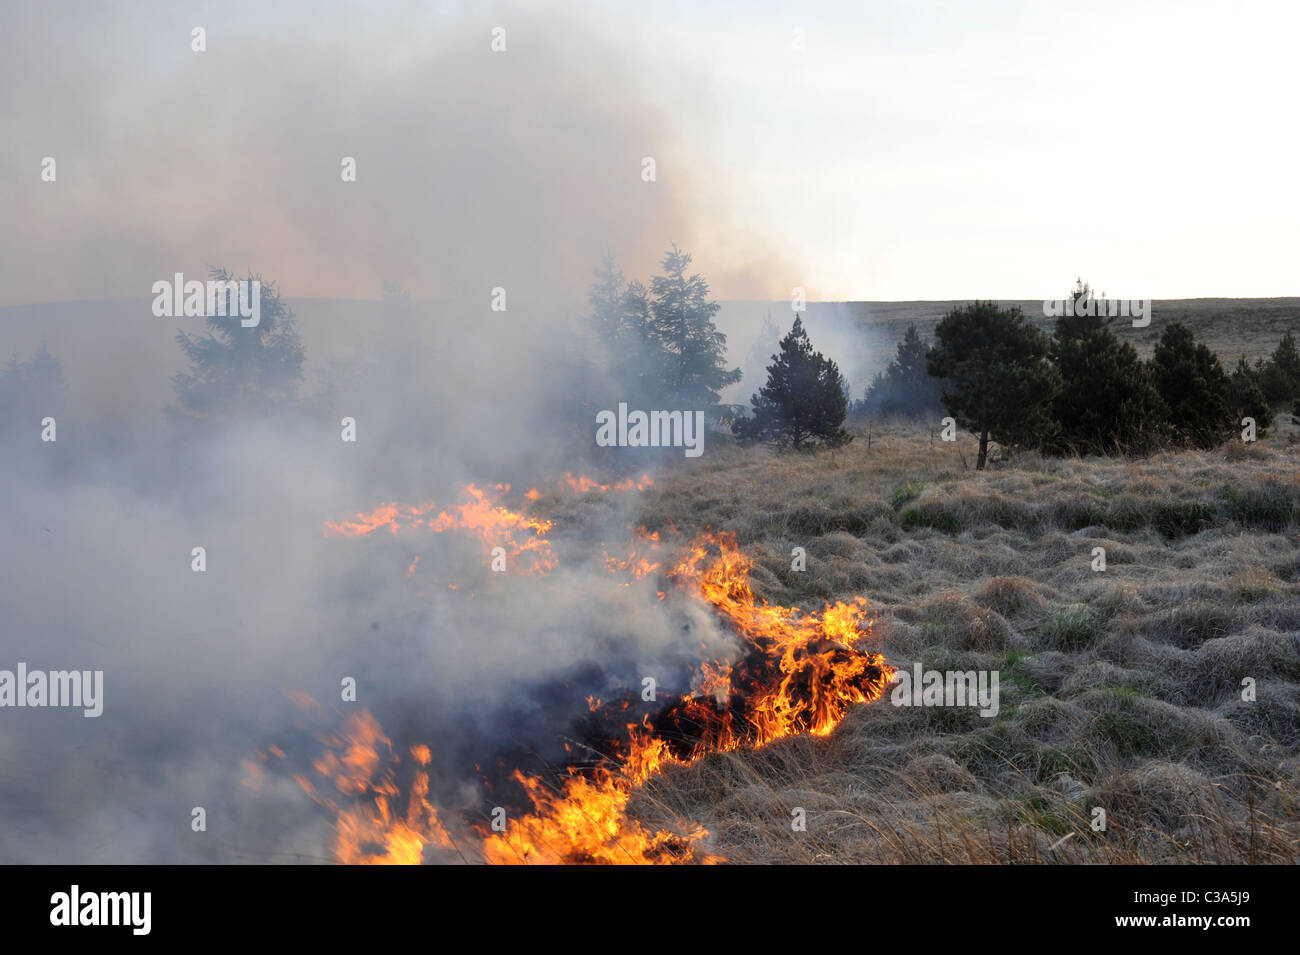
point(1000, 381)
point(905, 386)
point(238, 369)
point(1108, 402)
point(620, 322)
point(30, 391)
point(1246, 398)
point(765, 345)
point(1194, 386)
point(804, 401)
point(686, 341)
point(1280, 375)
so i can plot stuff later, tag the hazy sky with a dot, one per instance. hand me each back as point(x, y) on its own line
point(924, 150)
point(907, 151)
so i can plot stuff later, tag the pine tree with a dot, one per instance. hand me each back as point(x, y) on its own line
point(765, 345)
point(905, 386)
point(620, 323)
point(1287, 358)
point(30, 391)
point(1108, 402)
point(1246, 398)
point(804, 400)
point(681, 328)
point(1194, 386)
point(1280, 375)
point(606, 299)
point(238, 369)
point(1001, 382)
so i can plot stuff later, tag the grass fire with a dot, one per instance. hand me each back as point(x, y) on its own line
point(586, 477)
point(791, 673)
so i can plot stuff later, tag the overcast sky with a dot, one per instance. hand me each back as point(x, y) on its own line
point(908, 151)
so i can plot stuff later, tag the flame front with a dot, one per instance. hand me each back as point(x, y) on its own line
point(800, 674)
point(479, 514)
point(796, 673)
point(803, 672)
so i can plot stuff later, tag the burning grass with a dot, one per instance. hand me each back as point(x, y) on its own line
point(793, 673)
point(1121, 689)
point(798, 674)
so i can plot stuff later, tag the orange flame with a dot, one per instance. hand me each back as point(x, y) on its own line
point(796, 673)
point(479, 514)
point(583, 485)
point(813, 676)
point(367, 829)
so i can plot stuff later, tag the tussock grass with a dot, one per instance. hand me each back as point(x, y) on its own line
point(1074, 627)
point(1120, 690)
point(1011, 596)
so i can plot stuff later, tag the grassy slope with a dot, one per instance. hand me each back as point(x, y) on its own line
point(1120, 689)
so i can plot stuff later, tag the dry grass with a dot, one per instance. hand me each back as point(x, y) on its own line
point(1120, 690)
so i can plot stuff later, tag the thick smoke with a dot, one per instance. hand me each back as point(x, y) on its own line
point(475, 171)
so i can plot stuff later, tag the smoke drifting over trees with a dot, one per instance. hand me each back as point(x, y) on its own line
point(456, 195)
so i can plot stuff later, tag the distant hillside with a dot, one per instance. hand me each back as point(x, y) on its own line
point(1229, 325)
point(117, 354)
point(862, 336)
